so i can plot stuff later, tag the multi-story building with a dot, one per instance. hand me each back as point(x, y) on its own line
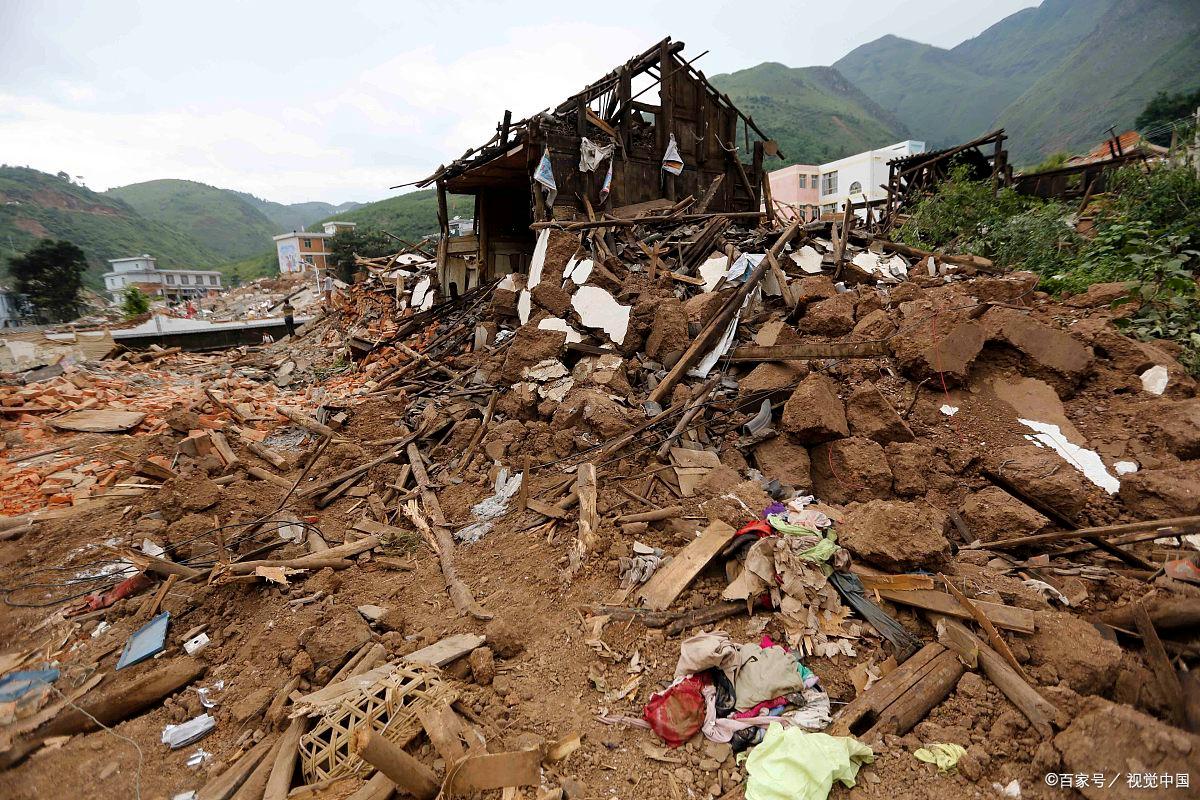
point(794, 190)
point(860, 178)
point(173, 284)
point(301, 250)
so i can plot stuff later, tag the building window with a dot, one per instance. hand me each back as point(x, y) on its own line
point(212, 280)
point(855, 187)
point(829, 183)
point(308, 244)
point(170, 279)
point(803, 181)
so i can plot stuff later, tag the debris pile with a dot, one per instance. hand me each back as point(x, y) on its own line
point(694, 484)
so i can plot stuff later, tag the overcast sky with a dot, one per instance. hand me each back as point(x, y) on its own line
point(336, 101)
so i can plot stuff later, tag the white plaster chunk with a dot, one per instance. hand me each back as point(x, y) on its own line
point(712, 271)
point(809, 259)
point(560, 324)
point(599, 309)
point(1086, 461)
point(1154, 380)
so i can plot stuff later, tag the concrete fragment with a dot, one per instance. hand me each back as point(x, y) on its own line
point(1158, 493)
point(669, 331)
point(850, 469)
point(1118, 741)
point(1044, 475)
point(784, 460)
point(896, 535)
point(773, 379)
point(1081, 658)
point(529, 346)
point(831, 317)
point(1050, 347)
point(814, 413)
point(993, 514)
point(871, 415)
point(909, 462)
point(951, 352)
point(1178, 425)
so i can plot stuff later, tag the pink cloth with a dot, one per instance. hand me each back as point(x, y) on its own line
point(760, 709)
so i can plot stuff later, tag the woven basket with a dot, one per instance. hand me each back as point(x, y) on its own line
point(389, 706)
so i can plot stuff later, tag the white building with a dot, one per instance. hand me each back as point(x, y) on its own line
point(860, 177)
point(302, 249)
point(173, 284)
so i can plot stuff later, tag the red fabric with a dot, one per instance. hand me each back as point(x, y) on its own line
point(95, 602)
point(677, 714)
point(761, 709)
point(759, 526)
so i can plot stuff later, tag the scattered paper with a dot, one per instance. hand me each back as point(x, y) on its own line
point(196, 644)
point(176, 736)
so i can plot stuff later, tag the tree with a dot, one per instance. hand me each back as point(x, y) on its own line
point(367, 243)
point(134, 302)
point(1163, 110)
point(50, 275)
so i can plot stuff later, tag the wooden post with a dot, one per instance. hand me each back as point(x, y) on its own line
point(409, 775)
point(483, 271)
point(504, 126)
point(756, 170)
point(624, 90)
point(768, 200)
point(589, 520)
point(666, 99)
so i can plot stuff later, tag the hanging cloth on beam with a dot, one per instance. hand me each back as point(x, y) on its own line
point(672, 162)
point(545, 176)
point(591, 154)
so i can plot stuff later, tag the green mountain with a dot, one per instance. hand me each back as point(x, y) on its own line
point(1055, 76)
point(409, 216)
point(814, 113)
point(1137, 49)
point(227, 224)
point(35, 205)
point(296, 215)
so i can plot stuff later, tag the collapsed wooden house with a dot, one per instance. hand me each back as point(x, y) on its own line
point(501, 174)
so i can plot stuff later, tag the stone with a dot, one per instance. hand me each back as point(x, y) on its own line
point(702, 306)
point(506, 639)
point(1100, 294)
point(392, 620)
point(1048, 346)
point(871, 415)
point(1178, 425)
point(530, 345)
point(921, 354)
point(814, 413)
point(876, 325)
point(1045, 476)
point(483, 665)
point(252, 704)
point(669, 331)
point(993, 515)
point(1159, 493)
point(1117, 740)
point(595, 410)
point(1082, 658)
point(812, 289)
point(831, 317)
point(784, 460)
point(341, 633)
point(181, 420)
point(896, 535)
point(850, 469)
point(909, 463)
point(774, 380)
point(519, 402)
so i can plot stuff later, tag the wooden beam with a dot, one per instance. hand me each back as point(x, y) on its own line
point(676, 575)
point(810, 350)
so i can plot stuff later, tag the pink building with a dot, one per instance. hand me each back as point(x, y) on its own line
point(795, 190)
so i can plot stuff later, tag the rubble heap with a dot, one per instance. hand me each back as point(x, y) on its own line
point(797, 490)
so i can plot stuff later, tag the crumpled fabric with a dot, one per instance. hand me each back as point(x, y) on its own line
point(945, 755)
point(767, 673)
point(792, 764)
point(678, 712)
point(815, 715)
point(672, 162)
point(591, 154)
point(705, 651)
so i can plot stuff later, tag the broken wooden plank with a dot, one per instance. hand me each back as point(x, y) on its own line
point(903, 697)
point(1038, 710)
point(671, 579)
point(1009, 617)
point(441, 653)
point(99, 421)
point(981, 618)
point(589, 519)
point(1164, 672)
point(1173, 526)
point(410, 776)
point(810, 350)
point(223, 449)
